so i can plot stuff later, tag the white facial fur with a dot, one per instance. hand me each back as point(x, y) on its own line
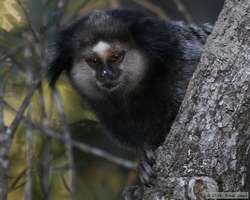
point(133, 69)
point(101, 47)
point(83, 78)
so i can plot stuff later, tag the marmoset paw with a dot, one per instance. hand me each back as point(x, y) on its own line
point(145, 168)
point(133, 193)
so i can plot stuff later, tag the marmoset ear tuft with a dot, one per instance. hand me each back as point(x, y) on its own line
point(156, 37)
point(60, 58)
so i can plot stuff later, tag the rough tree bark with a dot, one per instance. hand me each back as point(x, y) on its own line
point(207, 147)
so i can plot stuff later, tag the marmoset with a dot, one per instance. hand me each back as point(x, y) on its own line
point(132, 69)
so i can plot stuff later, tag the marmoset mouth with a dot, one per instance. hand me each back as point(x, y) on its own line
point(108, 85)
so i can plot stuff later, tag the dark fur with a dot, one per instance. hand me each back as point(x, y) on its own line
point(143, 117)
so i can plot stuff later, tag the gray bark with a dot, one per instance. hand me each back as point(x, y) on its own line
point(207, 147)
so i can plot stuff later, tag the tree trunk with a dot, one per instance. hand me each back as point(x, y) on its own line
point(207, 147)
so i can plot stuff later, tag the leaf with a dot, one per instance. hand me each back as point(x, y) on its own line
point(10, 14)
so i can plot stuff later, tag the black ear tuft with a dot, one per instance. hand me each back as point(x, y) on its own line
point(60, 57)
point(156, 37)
point(56, 67)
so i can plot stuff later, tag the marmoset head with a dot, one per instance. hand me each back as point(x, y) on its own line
point(100, 54)
point(107, 66)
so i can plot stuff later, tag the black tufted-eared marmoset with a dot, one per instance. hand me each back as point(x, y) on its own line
point(131, 68)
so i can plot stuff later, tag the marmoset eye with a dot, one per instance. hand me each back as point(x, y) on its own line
point(92, 61)
point(117, 57)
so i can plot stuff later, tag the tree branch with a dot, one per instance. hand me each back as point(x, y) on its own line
point(79, 145)
point(67, 139)
point(32, 28)
point(181, 7)
point(29, 154)
point(153, 8)
point(3, 161)
point(14, 124)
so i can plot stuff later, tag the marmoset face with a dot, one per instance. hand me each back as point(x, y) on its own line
point(107, 67)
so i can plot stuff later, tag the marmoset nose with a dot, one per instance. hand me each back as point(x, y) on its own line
point(109, 74)
point(108, 77)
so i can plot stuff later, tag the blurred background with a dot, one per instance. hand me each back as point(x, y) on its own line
point(43, 164)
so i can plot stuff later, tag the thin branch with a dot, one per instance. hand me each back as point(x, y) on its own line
point(29, 135)
point(13, 126)
point(84, 6)
point(29, 22)
point(153, 8)
point(19, 186)
point(79, 145)
point(19, 177)
point(67, 136)
point(103, 154)
point(46, 157)
point(60, 11)
point(12, 57)
point(11, 52)
point(4, 162)
point(67, 187)
point(61, 7)
point(181, 7)
point(114, 3)
point(29, 152)
point(2, 127)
